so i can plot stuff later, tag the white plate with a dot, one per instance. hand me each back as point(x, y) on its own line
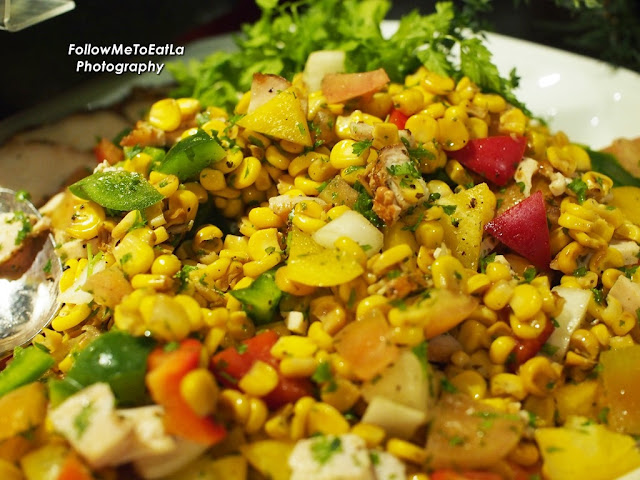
point(589, 100)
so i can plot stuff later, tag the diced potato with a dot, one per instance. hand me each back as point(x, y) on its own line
point(281, 117)
point(314, 265)
point(576, 399)
point(620, 378)
point(269, 457)
point(22, 409)
point(586, 450)
point(463, 227)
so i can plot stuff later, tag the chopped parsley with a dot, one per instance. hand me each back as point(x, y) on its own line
point(324, 447)
point(484, 261)
point(447, 386)
point(407, 169)
point(420, 351)
point(449, 209)
point(364, 205)
point(26, 229)
point(529, 274)
point(580, 271)
point(598, 295)
point(83, 419)
point(47, 267)
point(183, 276)
point(580, 188)
point(360, 147)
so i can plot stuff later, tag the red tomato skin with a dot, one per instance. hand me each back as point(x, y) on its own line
point(230, 365)
point(398, 118)
point(165, 372)
point(523, 228)
point(448, 474)
point(109, 151)
point(495, 158)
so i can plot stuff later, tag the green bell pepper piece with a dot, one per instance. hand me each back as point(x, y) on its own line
point(27, 366)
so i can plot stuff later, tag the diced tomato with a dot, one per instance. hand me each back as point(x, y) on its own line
point(233, 363)
point(527, 348)
point(74, 469)
point(398, 118)
point(339, 87)
point(109, 151)
point(523, 228)
point(495, 158)
point(166, 371)
point(447, 474)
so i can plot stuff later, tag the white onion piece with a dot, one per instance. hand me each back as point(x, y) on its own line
point(75, 294)
point(570, 318)
point(355, 226)
point(319, 64)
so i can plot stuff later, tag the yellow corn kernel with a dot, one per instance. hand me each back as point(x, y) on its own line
point(336, 211)
point(605, 259)
point(183, 207)
point(165, 114)
point(293, 346)
point(198, 190)
point(406, 451)
point(298, 367)
point(447, 273)
point(318, 335)
point(263, 217)
point(276, 158)
point(213, 339)
point(262, 243)
point(530, 328)
point(260, 380)
point(471, 383)
point(437, 84)
point(86, 221)
point(539, 375)
point(164, 317)
point(379, 104)
point(239, 325)
point(507, 384)
point(472, 336)
point(430, 234)
point(490, 101)
point(212, 180)
point(167, 185)
point(70, 316)
point(215, 125)
point(300, 164)
point(423, 127)
point(300, 413)
point(373, 435)
point(251, 412)
point(291, 147)
point(307, 186)
point(321, 169)
point(601, 332)
point(498, 296)
point(478, 283)
point(458, 173)
point(192, 309)
point(478, 128)
point(501, 348)
point(230, 162)
point(409, 101)
point(325, 419)
point(246, 173)
point(199, 389)
point(153, 281)
point(384, 135)
point(567, 260)
point(453, 133)
point(134, 255)
point(526, 301)
point(497, 271)
point(435, 110)
point(391, 257)
point(512, 121)
point(343, 156)
point(460, 359)
point(188, 106)
point(407, 335)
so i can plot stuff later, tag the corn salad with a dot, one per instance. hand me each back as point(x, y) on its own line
point(339, 286)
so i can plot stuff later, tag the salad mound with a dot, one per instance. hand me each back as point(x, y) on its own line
point(347, 275)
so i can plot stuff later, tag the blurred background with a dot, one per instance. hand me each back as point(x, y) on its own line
point(36, 67)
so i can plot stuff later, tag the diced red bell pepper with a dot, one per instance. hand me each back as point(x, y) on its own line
point(166, 371)
point(233, 363)
point(523, 228)
point(449, 474)
point(495, 158)
point(73, 469)
point(109, 151)
point(398, 118)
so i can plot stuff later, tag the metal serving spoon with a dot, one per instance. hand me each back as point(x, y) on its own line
point(28, 303)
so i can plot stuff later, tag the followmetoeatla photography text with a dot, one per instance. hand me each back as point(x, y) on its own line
point(90, 54)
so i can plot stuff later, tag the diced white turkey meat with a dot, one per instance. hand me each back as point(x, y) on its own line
point(150, 436)
point(89, 422)
point(572, 315)
point(162, 465)
point(628, 249)
point(387, 466)
point(524, 173)
point(627, 293)
point(330, 457)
